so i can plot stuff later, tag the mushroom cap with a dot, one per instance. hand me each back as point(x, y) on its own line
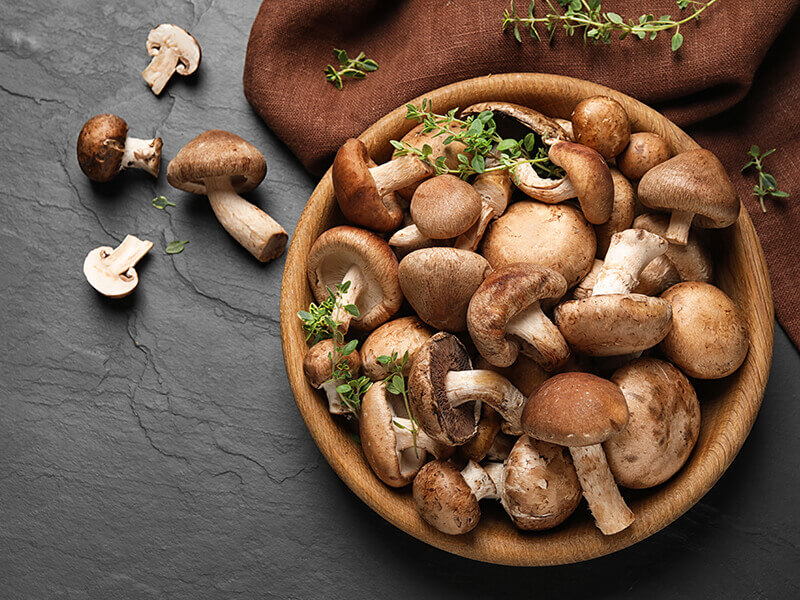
point(693, 181)
point(644, 151)
point(662, 428)
point(590, 177)
point(439, 282)
point(502, 296)
point(601, 123)
point(622, 211)
point(575, 409)
point(479, 444)
point(447, 424)
point(614, 324)
point(317, 365)
point(101, 144)
point(179, 40)
point(541, 486)
point(445, 207)
point(693, 261)
point(555, 236)
point(356, 191)
point(402, 335)
point(544, 126)
point(709, 337)
point(216, 153)
point(444, 500)
point(105, 281)
point(338, 249)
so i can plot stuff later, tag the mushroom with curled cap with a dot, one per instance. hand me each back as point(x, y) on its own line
point(505, 318)
point(709, 337)
point(349, 254)
point(601, 123)
point(581, 411)
point(110, 270)
point(662, 428)
point(318, 369)
point(446, 392)
point(173, 50)
point(695, 188)
point(622, 212)
point(105, 149)
point(692, 261)
point(393, 451)
point(494, 189)
point(403, 335)
point(645, 151)
point(221, 165)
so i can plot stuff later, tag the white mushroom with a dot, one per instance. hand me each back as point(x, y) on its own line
point(173, 49)
point(110, 271)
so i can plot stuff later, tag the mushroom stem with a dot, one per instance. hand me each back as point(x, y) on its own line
point(680, 222)
point(543, 340)
point(470, 239)
point(161, 68)
point(351, 296)
point(549, 191)
point(479, 481)
point(335, 405)
point(398, 173)
point(142, 154)
point(410, 238)
point(126, 255)
point(610, 512)
point(254, 229)
point(629, 252)
point(490, 387)
point(404, 438)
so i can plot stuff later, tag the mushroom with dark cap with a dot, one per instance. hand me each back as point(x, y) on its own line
point(173, 50)
point(318, 369)
point(692, 261)
point(104, 149)
point(602, 124)
point(645, 151)
point(110, 270)
point(221, 165)
point(406, 334)
point(621, 213)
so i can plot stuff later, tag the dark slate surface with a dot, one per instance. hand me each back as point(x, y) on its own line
point(150, 447)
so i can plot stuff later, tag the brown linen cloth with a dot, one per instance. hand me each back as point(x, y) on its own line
point(735, 82)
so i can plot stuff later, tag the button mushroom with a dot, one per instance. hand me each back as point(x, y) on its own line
point(621, 213)
point(104, 149)
point(351, 254)
point(645, 151)
point(221, 165)
point(581, 411)
point(110, 270)
point(318, 369)
point(504, 316)
point(709, 337)
point(173, 49)
point(406, 334)
point(692, 261)
point(601, 123)
point(444, 207)
point(694, 186)
point(662, 428)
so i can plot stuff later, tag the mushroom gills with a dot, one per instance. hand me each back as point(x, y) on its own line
point(483, 385)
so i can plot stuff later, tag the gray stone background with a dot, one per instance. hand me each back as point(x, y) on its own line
point(150, 447)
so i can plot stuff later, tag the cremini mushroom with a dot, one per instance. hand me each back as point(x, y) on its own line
point(445, 207)
point(525, 373)
point(173, 50)
point(621, 213)
point(494, 189)
point(581, 411)
point(692, 261)
point(505, 317)
point(110, 270)
point(318, 369)
point(656, 277)
point(349, 254)
point(221, 165)
point(709, 337)
point(488, 428)
point(104, 149)
point(601, 123)
point(662, 428)
point(406, 334)
point(644, 151)
point(695, 188)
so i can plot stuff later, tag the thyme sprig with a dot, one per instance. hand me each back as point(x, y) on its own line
point(767, 185)
point(354, 68)
point(396, 384)
point(588, 18)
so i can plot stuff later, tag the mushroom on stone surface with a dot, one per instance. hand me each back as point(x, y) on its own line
point(349, 254)
point(494, 189)
point(709, 336)
point(581, 411)
point(621, 213)
point(318, 369)
point(662, 428)
point(695, 188)
point(221, 165)
point(601, 123)
point(406, 334)
point(645, 151)
point(173, 50)
point(692, 261)
point(110, 270)
point(505, 317)
point(104, 149)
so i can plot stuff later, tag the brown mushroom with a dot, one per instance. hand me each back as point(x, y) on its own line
point(601, 123)
point(488, 428)
point(692, 261)
point(105, 149)
point(445, 207)
point(525, 374)
point(656, 277)
point(173, 50)
point(494, 189)
point(318, 369)
point(110, 270)
point(402, 335)
point(645, 151)
point(621, 213)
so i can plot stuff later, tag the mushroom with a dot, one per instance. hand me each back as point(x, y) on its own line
point(439, 282)
point(621, 213)
point(445, 392)
point(173, 49)
point(709, 337)
point(566, 125)
point(402, 335)
point(662, 428)
point(694, 186)
point(656, 277)
point(445, 207)
point(221, 165)
point(505, 318)
point(349, 254)
point(601, 123)
point(104, 149)
point(525, 373)
point(318, 369)
point(110, 270)
point(479, 445)
point(494, 189)
point(644, 151)
point(692, 261)
point(392, 449)
point(555, 236)
point(581, 411)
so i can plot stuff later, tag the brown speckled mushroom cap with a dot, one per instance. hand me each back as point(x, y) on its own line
point(575, 409)
point(444, 207)
point(601, 123)
point(590, 178)
point(444, 500)
point(644, 151)
point(693, 261)
point(540, 124)
point(101, 143)
point(338, 249)
point(662, 428)
point(406, 334)
point(622, 212)
point(217, 153)
point(317, 363)
point(417, 138)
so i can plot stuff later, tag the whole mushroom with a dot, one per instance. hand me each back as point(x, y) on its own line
point(494, 189)
point(318, 369)
point(621, 213)
point(105, 149)
point(656, 277)
point(692, 261)
point(110, 270)
point(173, 50)
point(403, 335)
point(601, 123)
point(645, 151)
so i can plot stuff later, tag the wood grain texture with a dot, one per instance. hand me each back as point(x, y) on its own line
point(729, 406)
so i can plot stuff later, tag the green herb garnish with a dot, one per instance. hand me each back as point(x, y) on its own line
point(766, 186)
point(354, 68)
point(176, 247)
point(161, 202)
point(396, 384)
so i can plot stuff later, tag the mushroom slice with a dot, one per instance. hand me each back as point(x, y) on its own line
point(105, 149)
point(645, 150)
point(110, 270)
point(694, 186)
point(173, 50)
point(318, 369)
point(601, 123)
point(663, 426)
point(494, 189)
point(622, 212)
point(403, 335)
point(692, 261)
point(504, 314)
point(351, 254)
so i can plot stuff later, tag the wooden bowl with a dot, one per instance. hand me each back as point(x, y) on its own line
point(729, 406)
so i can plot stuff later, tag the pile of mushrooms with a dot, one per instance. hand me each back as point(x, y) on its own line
point(552, 326)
